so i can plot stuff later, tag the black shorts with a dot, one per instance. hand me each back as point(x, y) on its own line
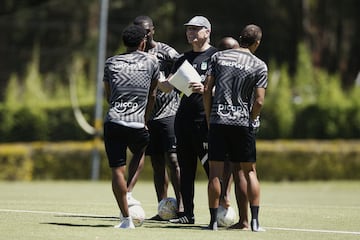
point(162, 136)
point(232, 142)
point(117, 138)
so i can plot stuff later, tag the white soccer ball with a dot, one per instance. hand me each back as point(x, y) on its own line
point(226, 217)
point(137, 214)
point(167, 208)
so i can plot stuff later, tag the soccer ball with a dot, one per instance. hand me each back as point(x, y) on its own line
point(226, 217)
point(137, 214)
point(167, 208)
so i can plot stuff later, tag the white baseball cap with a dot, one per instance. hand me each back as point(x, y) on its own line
point(199, 21)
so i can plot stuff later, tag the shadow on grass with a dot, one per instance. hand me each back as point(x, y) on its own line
point(166, 224)
point(84, 217)
point(79, 225)
point(147, 223)
point(90, 217)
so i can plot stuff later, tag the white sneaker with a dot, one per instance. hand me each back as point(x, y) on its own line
point(126, 223)
point(255, 227)
point(131, 200)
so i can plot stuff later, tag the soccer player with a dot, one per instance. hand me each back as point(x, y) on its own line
point(130, 81)
point(190, 122)
point(240, 79)
point(227, 43)
point(227, 179)
point(162, 145)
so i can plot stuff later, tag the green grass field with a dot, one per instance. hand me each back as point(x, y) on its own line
point(87, 210)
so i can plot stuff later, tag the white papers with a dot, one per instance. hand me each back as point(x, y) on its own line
point(185, 74)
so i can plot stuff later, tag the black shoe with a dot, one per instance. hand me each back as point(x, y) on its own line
point(156, 218)
point(255, 227)
point(183, 220)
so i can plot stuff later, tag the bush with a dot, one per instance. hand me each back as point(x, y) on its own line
point(276, 161)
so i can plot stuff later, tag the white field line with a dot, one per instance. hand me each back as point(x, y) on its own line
point(313, 230)
point(55, 213)
point(268, 228)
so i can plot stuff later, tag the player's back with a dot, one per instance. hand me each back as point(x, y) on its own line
point(129, 76)
point(237, 73)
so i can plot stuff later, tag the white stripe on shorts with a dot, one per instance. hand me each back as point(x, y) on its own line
point(204, 159)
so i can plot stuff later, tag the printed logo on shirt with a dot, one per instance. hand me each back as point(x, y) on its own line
point(204, 66)
point(128, 66)
point(234, 64)
point(232, 112)
point(121, 107)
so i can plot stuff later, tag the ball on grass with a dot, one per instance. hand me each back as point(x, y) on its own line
point(137, 214)
point(226, 216)
point(167, 208)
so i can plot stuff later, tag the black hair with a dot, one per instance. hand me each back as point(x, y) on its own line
point(139, 20)
point(249, 35)
point(133, 35)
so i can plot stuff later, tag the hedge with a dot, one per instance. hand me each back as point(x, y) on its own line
point(277, 161)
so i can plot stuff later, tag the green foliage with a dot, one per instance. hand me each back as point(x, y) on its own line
point(62, 124)
point(353, 116)
point(304, 85)
point(278, 110)
point(304, 160)
point(85, 91)
point(40, 110)
point(327, 115)
point(16, 163)
point(28, 124)
point(12, 93)
point(311, 105)
point(33, 93)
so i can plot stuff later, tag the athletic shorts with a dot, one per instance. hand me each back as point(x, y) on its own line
point(162, 136)
point(117, 138)
point(236, 143)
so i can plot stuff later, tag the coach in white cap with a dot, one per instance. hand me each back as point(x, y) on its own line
point(199, 21)
point(190, 122)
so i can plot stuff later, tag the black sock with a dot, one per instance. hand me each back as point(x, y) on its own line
point(254, 212)
point(213, 214)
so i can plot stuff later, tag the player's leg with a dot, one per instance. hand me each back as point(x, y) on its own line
point(253, 193)
point(239, 152)
point(241, 197)
point(214, 190)
point(135, 167)
point(139, 139)
point(217, 155)
point(119, 189)
point(174, 169)
point(248, 165)
point(171, 158)
point(226, 182)
point(160, 179)
point(159, 176)
point(115, 140)
point(187, 158)
point(157, 158)
point(188, 164)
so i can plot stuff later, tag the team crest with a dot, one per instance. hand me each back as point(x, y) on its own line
point(203, 66)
